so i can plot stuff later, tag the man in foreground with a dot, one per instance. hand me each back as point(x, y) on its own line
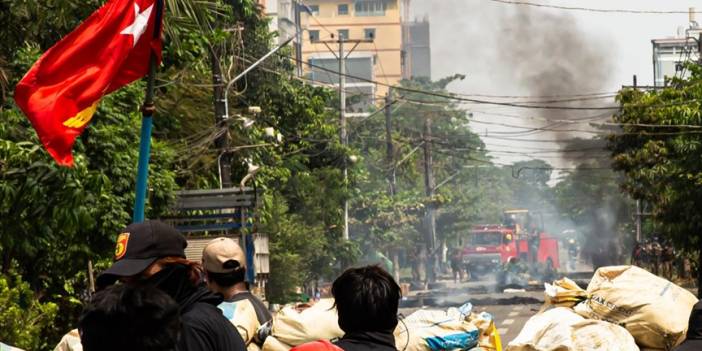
point(124, 317)
point(152, 254)
point(367, 299)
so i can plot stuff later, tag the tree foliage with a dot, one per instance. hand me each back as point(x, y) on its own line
point(22, 317)
point(658, 154)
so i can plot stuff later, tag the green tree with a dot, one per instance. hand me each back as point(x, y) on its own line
point(659, 156)
point(54, 219)
point(22, 317)
point(387, 223)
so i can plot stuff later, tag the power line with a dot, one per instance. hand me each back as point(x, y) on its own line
point(555, 96)
point(314, 18)
point(452, 96)
point(588, 9)
point(578, 120)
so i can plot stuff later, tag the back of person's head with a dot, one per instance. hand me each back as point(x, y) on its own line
point(124, 317)
point(366, 299)
point(224, 261)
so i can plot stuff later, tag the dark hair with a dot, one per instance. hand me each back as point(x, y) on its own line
point(226, 280)
point(124, 317)
point(366, 299)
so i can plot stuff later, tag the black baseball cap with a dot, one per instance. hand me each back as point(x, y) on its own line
point(139, 245)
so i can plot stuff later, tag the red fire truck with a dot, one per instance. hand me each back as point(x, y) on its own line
point(488, 247)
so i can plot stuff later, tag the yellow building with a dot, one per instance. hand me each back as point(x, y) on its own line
point(325, 21)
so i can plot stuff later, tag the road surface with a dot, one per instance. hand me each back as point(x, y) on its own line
point(510, 310)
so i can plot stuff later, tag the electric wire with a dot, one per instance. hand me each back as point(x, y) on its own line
point(455, 97)
point(588, 9)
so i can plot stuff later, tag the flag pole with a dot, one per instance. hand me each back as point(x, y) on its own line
point(147, 111)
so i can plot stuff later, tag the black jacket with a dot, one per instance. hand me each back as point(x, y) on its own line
point(367, 341)
point(204, 326)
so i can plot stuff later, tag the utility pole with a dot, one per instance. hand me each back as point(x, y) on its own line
point(638, 202)
point(298, 37)
point(221, 118)
point(341, 56)
point(430, 234)
point(390, 162)
point(389, 155)
point(342, 121)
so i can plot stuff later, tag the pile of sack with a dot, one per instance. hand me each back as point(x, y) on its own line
point(624, 308)
point(295, 325)
point(453, 329)
point(423, 330)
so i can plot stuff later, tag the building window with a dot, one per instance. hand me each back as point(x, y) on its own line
point(343, 34)
point(343, 9)
point(313, 9)
point(369, 33)
point(314, 35)
point(370, 7)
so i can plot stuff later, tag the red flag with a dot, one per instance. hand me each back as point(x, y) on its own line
point(110, 49)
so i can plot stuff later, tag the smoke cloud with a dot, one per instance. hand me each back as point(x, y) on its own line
point(551, 58)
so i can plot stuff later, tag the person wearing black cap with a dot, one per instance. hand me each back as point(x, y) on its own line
point(152, 253)
point(693, 340)
point(147, 315)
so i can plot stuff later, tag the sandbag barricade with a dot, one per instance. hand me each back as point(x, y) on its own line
point(563, 293)
point(561, 329)
point(291, 327)
point(454, 329)
point(654, 310)
point(70, 342)
point(424, 330)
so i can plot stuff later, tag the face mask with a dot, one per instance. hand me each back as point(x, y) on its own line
point(173, 280)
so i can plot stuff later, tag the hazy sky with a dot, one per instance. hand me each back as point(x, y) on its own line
point(509, 50)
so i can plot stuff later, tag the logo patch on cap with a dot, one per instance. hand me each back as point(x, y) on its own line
point(121, 249)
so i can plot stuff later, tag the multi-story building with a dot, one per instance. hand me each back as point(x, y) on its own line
point(392, 49)
point(669, 54)
point(416, 49)
point(325, 21)
point(284, 17)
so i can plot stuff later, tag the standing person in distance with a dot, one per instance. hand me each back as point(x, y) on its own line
point(152, 253)
point(225, 270)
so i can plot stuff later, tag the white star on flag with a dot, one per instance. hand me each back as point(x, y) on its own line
point(138, 27)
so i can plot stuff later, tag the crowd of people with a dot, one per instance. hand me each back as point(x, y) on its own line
point(657, 256)
point(152, 298)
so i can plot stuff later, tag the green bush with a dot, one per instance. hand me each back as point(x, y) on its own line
point(22, 317)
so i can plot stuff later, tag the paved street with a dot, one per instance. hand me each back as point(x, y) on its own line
point(510, 319)
point(510, 309)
